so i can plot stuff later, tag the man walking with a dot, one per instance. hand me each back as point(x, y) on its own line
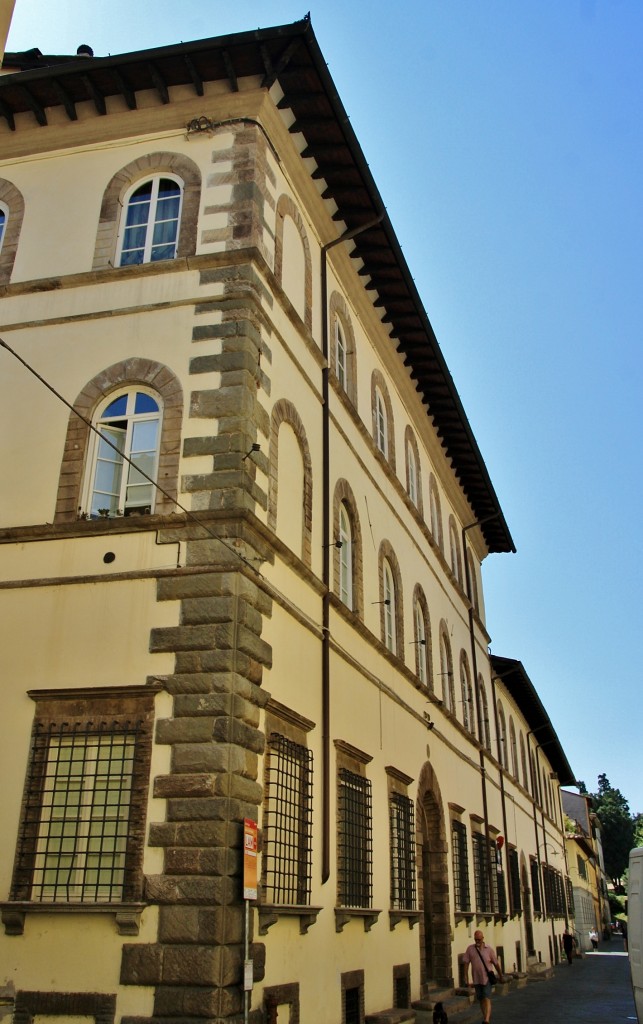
point(568, 945)
point(485, 970)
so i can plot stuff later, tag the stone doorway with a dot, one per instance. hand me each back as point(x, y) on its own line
point(433, 884)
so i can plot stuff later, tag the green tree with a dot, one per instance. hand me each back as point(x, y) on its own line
point(638, 829)
point(613, 812)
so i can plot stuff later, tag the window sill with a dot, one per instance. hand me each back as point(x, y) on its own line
point(127, 916)
point(345, 914)
point(464, 915)
point(269, 914)
point(395, 916)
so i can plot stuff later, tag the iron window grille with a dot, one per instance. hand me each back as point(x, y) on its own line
point(287, 832)
point(570, 897)
point(535, 886)
point(498, 887)
point(402, 822)
point(81, 832)
point(482, 881)
point(355, 840)
point(460, 866)
point(514, 881)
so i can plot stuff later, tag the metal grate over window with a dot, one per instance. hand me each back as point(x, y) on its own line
point(460, 866)
point(74, 843)
point(355, 840)
point(514, 879)
point(402, 822)
point(535, 886)
point(481, 874)
point(287, 832)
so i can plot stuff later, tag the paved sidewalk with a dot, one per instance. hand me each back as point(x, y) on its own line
point(594, 990)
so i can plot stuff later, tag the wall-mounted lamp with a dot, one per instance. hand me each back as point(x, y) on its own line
point(412, 643)
point(253, 448)
point(427, 718)
point(335, 544)
point(386, 601)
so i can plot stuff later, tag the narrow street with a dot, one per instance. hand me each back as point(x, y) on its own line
point(594, 990)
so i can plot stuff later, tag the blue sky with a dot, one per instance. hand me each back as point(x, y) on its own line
point(506, 140)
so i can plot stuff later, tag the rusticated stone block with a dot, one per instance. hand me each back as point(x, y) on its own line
point(200, 833)
point(193, 861)
point(207, 610)
point(217, 926)
point(184, 730)
point(216, 704)
point(212, 808)
point(181, 1002)
point(254, 646)
point(192, 889)
point(238, 788)
point(258, 957)
point(141, 964)
point(183, 638)
point(209, 757)
point(184, 785)
point(236, 401)
point(202, 965)
point(230, 730)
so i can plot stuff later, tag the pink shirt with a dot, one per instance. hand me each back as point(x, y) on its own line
point(478, 972)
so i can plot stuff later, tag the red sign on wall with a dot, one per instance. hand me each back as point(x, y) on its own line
point(249, 859)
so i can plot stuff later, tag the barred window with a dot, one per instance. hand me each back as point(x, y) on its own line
point(514, 881)
point(402, 823)
point(287, 828)
point(83, 815)
point(355, 840)
point(498, 887)
point(481, 874)
point(535, 886)
point(570, 897)
point(460, 866)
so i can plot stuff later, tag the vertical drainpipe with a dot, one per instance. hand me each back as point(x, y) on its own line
point(326, 545)
point(476, 689)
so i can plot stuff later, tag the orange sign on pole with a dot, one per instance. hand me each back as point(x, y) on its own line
point(249, 859)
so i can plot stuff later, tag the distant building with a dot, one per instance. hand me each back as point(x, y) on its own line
point(241, 568)
point(586, 866)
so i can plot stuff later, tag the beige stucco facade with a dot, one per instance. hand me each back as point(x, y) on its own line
point(223, 610)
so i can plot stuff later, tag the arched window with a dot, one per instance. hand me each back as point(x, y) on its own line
point(473, 584)
point(514, 749)
point(129, 424)
point(345, 539)
point(523, 762)
point(381, 423)
point(454, 549)
point(485, 732)
point(382, 411)
point(467, 694)
point(446, 671)
point(436, 513)
point(12, 208)
point(502, 737)
point(341, 368)
point(411, 474)
point(150, 224)
point(347, 559)
point(422, 628)
point(389, 637)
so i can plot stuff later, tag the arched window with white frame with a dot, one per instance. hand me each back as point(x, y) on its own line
point(454, 550)
point(523, 763)
point(446, 671)
point(435, 512)
point(411, 474)
point(422, 627)
point(513, 747)
point(4, 217)
point(502, 737)
point(345, 540)
point(485, 731)
point(341, 356)
point(388, 582)
point(124, 460)
point(151, 219)
point(381, 423)
point(466, 690)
